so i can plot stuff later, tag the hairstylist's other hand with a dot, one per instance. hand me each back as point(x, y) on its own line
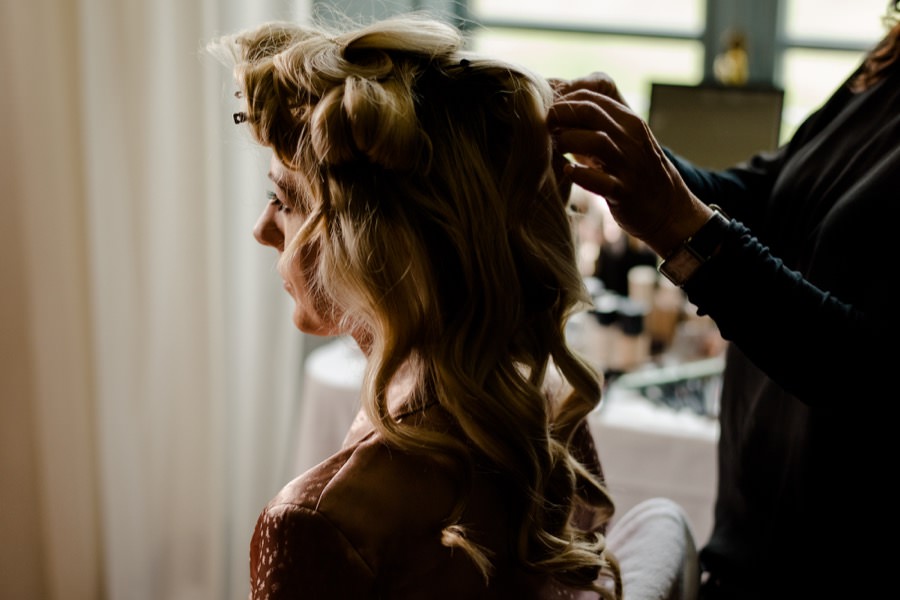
point(617, 157)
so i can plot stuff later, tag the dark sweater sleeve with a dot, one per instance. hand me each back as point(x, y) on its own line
point(741, 190)
point(812, 344)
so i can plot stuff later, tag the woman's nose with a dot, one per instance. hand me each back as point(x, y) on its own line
point(266, 230)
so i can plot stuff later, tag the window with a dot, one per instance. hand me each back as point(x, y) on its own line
point(685, 17)
point(807, 47)
point(637, 43)
point(822, 42)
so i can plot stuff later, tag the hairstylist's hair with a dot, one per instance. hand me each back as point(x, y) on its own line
point(884, 57)
point(443, 236)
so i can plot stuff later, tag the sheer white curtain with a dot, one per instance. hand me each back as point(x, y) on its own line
point(147, 364)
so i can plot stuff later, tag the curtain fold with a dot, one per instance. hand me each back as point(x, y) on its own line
point(142, 100)
point(50, 537)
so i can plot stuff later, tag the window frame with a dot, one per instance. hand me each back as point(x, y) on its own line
point(762, 20)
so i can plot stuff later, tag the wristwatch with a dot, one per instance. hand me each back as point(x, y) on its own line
point(680, 265)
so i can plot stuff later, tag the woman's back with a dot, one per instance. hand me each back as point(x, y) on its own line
point(367, 522)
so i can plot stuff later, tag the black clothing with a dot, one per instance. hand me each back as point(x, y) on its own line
point(803, 289)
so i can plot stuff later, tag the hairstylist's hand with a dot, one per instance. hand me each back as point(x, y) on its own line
point(617, 157)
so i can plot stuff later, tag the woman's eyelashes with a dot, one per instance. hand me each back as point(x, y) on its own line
point(274, 201)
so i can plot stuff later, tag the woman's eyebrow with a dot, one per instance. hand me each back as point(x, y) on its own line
point(285, 183)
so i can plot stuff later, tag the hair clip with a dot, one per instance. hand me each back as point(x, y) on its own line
point(239, 117)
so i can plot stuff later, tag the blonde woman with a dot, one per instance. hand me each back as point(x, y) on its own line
point(415, 208)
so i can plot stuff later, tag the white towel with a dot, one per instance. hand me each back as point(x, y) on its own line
point(656, 551)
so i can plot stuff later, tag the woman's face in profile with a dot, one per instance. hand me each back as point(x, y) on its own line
point(278, 224)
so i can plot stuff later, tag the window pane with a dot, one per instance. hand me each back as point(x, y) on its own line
point(840, 20)
point(685, 16)
point(632, 62)
point(811, 76)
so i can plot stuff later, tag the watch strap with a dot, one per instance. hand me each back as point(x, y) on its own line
point(679, 266)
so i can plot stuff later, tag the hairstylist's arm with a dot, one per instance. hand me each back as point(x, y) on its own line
point(617, 157)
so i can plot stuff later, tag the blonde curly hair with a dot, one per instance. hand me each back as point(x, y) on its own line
point(444, 237)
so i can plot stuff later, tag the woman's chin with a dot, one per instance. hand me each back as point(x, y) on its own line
point(312, 324)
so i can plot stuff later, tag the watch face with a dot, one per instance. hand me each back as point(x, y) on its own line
point(696, 250)
point(679, 267)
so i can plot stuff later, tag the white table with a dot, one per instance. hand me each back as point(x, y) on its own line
point(332, 377)
point(649, 451)
point(646, 450)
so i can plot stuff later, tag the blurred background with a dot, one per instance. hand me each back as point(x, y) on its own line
point(150, 380)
